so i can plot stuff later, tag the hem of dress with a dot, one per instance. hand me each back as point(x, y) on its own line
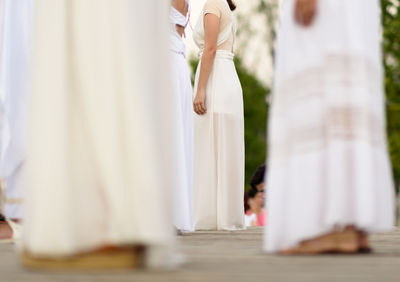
point(234, 228)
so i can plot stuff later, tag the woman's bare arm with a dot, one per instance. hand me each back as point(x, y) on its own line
point(211, 29)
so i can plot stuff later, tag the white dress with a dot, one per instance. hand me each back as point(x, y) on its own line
point(328, 161)
point(102, 139)
point(183, 206)
point(2, 94)
point(218, 183)
point(2, 71)
point(16, 25)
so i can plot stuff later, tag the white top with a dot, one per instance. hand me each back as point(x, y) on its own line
point(227, 32)
point(176, 18)
point(176, 43)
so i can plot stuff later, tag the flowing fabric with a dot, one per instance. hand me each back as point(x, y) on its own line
point(183, 206)
point(15, 43)
point(2, 95)
point(219, 143)
point(102, 136)
point(176, 18)
point(328, 160)
point(2, 70)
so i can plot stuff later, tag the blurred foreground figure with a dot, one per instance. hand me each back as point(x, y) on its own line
point(101, 143)
point(15, 32)
point(183, 207)
point(329, 181)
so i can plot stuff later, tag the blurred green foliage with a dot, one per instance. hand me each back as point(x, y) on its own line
point(391, 48)
point(255, 117)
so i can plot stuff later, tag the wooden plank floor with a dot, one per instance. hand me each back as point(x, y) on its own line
point(237, 256)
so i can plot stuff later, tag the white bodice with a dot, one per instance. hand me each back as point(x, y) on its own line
point(176, 43)
point(176, 18)
point(199, 34)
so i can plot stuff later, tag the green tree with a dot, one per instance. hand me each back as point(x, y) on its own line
point(391, 59)
point(255, 117)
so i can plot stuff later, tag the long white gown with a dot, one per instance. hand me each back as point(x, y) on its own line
point(183, 205)
point(328, 161)
point(16, 26)
point(218, 183)
point(100, 167)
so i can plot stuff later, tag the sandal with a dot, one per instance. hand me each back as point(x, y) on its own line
point(104, 259)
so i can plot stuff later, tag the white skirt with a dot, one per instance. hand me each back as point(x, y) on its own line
point(100, 167)
point(15, 19)
point(183, 205)
point(219, 151)
point(328, 160)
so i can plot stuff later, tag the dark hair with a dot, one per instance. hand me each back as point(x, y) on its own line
point(231, 5)
point(258, 176)
point(252, 193)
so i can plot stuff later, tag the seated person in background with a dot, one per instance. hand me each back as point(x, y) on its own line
point(256, 215)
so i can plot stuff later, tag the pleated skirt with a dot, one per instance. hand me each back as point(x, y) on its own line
point(328, 164)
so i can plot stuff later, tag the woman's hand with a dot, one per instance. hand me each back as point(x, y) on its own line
point(305, 11)
point(199, 103)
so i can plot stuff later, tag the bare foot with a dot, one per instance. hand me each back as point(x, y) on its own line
point(347, 240)
point(6, 231)
point(320, 245)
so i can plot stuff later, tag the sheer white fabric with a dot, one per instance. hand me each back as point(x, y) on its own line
point(102, 139)
point(16, 30)
point(328, 161)
point(219, 145)
point(183, 206)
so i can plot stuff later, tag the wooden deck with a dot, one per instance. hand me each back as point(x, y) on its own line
point(237, 256)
